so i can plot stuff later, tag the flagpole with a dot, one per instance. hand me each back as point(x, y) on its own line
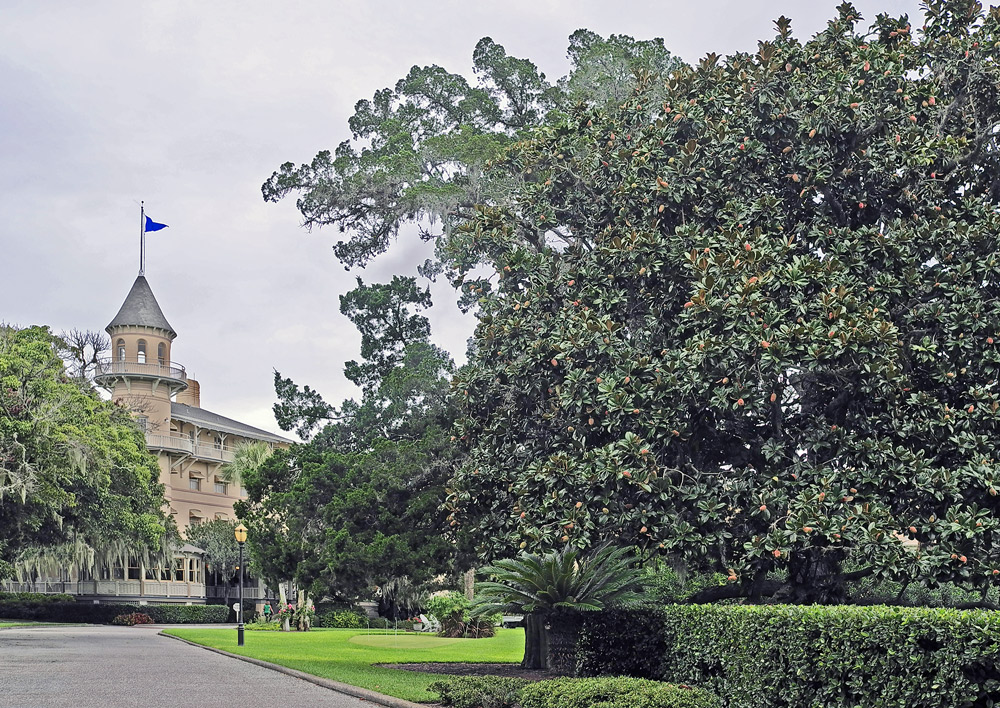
point(142, 237)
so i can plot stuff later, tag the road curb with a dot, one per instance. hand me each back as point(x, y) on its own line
point(362, 693)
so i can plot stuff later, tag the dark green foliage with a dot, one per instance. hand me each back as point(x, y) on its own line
point(359, 504)
point(77, 483)
point(36, 598)
point(218, 540)
point(479, 691)
point(249, 609)
point(800, 657)
point(383, 314)
point(620, 692)
point(567, 580)
point(302, 410)
point(105, 612)
point(622, 642)
point(665, 585)
point(551, 590)
point(342, 619)
point(768, 338)
point(497, 692)
point(423, 148)
point(452, 611)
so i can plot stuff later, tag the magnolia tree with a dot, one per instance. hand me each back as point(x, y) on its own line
point(763, 333)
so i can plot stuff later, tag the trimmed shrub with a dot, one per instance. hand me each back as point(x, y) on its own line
point(453, 613)
point(105, 612)
point(36, 598)
point(805, 656)
point(479, 691)
point(342, 619)
point(622, 643)
point(620, 692)
point(132, 619)
point(262, 625)
point(187, 614)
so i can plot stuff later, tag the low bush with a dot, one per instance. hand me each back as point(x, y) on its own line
point(35, 598)
point(187, 614)
point(479, 691)
point(622, 642)
point(619, 692)
point(452, 611)
point(105, 612)
point(262, 625)
point(132, 619)
point(804, 656)
point(342, 619)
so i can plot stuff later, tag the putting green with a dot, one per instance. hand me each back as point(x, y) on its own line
point(403, 641)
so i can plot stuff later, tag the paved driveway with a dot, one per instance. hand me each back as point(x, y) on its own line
point(112, 667)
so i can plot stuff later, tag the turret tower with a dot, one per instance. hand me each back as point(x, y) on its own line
point(139, 373)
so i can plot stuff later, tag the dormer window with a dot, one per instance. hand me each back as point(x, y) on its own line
point(161, 353)
point(121, 349)
point(142, 351)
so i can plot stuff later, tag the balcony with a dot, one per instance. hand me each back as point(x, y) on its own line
point(112, 588)
point(169, 371)
point(181, 444)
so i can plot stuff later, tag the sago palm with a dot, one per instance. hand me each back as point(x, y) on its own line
point(551, 589)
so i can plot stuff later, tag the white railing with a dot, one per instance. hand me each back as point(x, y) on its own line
point(116, 367)
point(110, 588)
point(179, 443)
point(233, 592)
point(169, 442)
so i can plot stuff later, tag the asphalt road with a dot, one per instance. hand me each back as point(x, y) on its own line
point(122, 667)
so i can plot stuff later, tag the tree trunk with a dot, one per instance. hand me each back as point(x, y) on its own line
point(470, 582)
point(535, 642)
point(563, 633)
point(303, 623)
point(283, 598)
point(815, 577)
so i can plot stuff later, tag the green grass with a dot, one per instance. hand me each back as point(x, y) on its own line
point(347, 655)
point(6, 624)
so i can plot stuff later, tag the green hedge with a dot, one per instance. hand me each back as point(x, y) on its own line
point(342, 619)
point(105, 612)
point(622, 643)
point(35, 598)
point(620, 692)
point(801, 657)
point(479, 691)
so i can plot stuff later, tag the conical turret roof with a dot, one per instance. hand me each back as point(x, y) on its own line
point(140, 309)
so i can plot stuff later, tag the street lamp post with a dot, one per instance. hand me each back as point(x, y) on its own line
point(241, 538)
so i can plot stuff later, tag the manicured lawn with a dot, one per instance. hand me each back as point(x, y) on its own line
point(347, 655)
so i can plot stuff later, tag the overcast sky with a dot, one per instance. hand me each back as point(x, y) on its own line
point(191, 105)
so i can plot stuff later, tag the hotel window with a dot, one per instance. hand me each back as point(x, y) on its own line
point(121, 349)
point(221, 487)
point(133, 569)
point(179, 569)
point(161, 353)
point(194, 484)
point(143, 422)
point(142, 351)
point(194, 570)
point(243, 491)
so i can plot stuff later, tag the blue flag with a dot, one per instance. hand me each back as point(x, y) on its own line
point(153, 226)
